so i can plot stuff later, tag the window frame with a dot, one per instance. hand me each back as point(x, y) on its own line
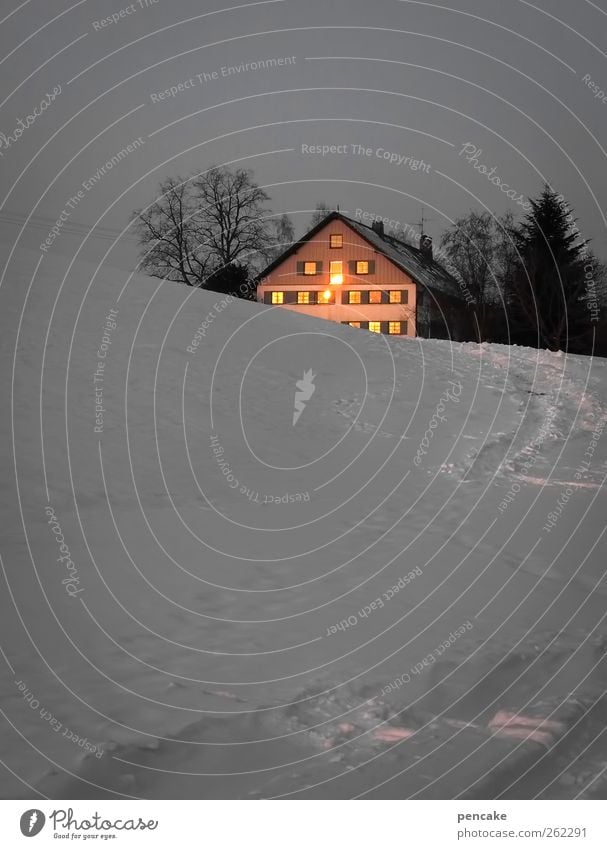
point(355, 292)
point(371, 329)
point(339, 236)
point(398, 332)
point(332, 273)
point(364, 262)
point(310, 273)
point(277, 294)
point(375, 293)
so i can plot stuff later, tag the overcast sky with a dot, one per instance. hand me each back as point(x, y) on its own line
point(399, 80)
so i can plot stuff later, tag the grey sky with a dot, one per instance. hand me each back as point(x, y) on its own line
point(413, 79)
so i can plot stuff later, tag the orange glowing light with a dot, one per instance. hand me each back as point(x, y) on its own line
point(336, 276)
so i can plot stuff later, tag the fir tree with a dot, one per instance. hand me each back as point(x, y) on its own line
point(546, 290)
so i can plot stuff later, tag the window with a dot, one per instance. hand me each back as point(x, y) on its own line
point(395, 297)
point(354, 323)
point(303, 297)
point(354, 298)
point(326, 297)
point(362, 266)
point(278, 297)
point(394, 327)
point(309, 268)
point(375, 296)
point(375, 326)
point(336, 240)
point(336, 275)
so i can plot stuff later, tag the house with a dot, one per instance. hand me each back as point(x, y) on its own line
point(345, 271)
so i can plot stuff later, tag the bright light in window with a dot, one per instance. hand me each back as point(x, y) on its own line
point(327, 295)
point(336, 276)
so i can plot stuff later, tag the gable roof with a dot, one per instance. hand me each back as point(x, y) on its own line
point(423, 270)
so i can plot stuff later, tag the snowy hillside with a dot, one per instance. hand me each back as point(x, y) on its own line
point(188, 572)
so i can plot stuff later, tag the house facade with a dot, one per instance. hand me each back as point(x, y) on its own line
point(345, 271)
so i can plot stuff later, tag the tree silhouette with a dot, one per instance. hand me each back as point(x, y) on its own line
point(547, 287)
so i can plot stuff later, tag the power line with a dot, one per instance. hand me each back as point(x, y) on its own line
point(41, 222)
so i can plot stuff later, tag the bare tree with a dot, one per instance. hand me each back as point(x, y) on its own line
point(320, 211)
point(284, 235)
point(167, 234)
point(202, 224)
point(470, 244)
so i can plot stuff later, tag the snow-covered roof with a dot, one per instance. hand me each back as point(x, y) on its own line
point(424, 270)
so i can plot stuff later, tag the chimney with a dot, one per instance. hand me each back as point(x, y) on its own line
point(378, 227)
point(425, 246)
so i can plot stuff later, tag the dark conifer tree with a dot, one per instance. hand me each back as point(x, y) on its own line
point(546, 289)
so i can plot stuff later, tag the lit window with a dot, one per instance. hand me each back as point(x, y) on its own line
point(362, 266)
point(375, 296)
point(303, 297)
point(336, 240)
point(354, 323)
point(354, 298)
point(336, 272)
point(278, 297)
point(395, 297)
point(375, 326)
point(309, 268)
point(326, 297)
point(394, 327)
